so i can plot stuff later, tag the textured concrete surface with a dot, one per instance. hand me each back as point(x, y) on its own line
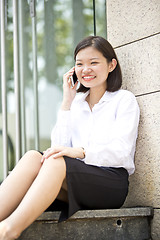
point(155, 225)
point(128, 21)
point(145, 183)
point(140, 63)
point(104, 213)
point(133, 28)
point(114, 224)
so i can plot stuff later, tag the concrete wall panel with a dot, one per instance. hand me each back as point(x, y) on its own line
point(140, 63)
point(145, 183)
point(155, 225)
point(128, 21)
point(133, 29)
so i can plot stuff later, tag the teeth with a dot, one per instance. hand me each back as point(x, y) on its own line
point(88, 77)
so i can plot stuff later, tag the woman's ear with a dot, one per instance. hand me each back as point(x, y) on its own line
point(112, 64)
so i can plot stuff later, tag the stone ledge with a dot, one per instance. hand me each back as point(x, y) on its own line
point(106, 213)
point(113, 224)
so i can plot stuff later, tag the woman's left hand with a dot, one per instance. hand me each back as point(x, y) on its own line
point(60, 151)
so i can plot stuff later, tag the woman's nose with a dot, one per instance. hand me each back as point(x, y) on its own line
point(86, 69)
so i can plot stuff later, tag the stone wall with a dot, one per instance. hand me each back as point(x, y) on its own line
point(133, 29)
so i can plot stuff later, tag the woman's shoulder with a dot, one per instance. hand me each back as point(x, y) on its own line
point(119, 96)
point(124, 98)
point(125, 93)
point(127, 100)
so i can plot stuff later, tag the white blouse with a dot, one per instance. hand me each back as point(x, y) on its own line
point(108, 133)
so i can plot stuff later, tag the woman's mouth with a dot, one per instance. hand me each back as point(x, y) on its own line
point(88, 78)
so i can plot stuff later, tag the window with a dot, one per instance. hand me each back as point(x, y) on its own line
point(47, 32)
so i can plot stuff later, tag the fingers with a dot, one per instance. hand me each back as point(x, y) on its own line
point(59, 154)
point(75, 85)
point(46, 154)
point(49, 152)
point(60, 151)
point(67, 76)
point(54, 152)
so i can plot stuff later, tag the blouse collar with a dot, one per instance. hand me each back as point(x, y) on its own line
point(107, 96)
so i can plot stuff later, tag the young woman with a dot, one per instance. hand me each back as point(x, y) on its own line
point(92, 150)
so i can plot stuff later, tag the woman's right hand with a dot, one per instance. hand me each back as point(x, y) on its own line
point(61, 151)
point(69, 92)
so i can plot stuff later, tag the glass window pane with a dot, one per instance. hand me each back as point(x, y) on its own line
point(100, 14)
point(26, 74)
point(10, 87)
point(10, 93)
point(60, 26)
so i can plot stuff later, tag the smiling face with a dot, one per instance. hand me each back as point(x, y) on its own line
point(92, 68)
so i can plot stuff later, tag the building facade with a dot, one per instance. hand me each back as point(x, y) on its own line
point(133, 27)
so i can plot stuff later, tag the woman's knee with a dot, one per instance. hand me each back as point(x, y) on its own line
point(58, 164)
point(32, 159)
point(32, 153)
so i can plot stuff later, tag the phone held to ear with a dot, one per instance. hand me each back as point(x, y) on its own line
point(74, 79)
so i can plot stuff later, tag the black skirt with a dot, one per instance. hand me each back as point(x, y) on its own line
point(91, 187)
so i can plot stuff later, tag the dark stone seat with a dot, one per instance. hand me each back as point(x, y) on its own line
point(110, 224)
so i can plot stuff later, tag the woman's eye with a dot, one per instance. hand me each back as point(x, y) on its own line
point(94, 63)
point(79, 64)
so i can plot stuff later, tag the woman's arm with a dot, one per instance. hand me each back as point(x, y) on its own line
point(60, 151)
point(61, 133)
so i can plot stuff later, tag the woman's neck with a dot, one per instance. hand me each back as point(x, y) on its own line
point(94, 96)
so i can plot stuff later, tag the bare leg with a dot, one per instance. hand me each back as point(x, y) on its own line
point(15, 186)
point(40, 195)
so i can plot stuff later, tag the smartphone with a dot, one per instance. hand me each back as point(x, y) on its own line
point(74, 79)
